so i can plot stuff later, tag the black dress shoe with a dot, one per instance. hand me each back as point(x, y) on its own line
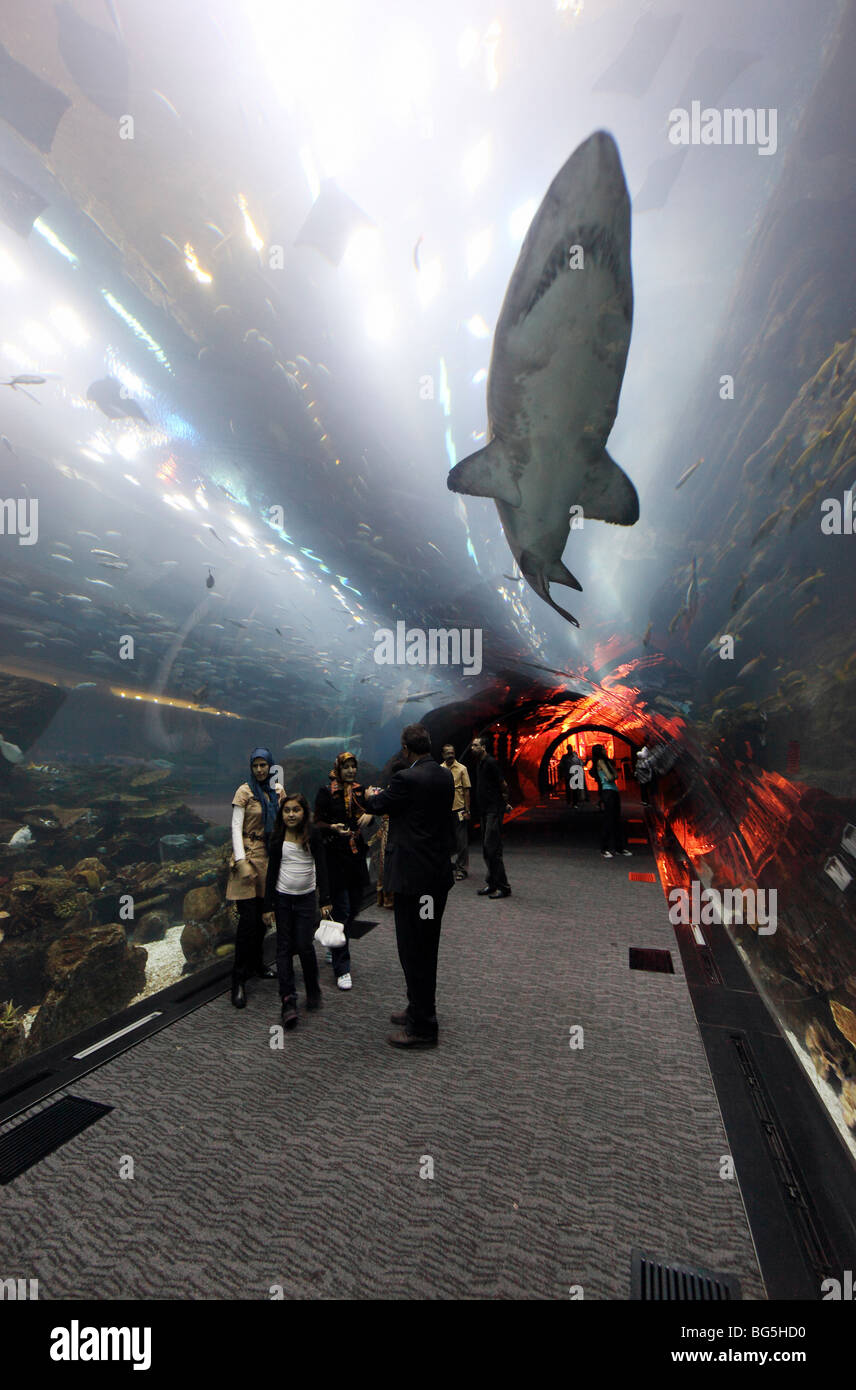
point(483, 892)
point(239, 994)
point(268, 972)
point(289, 1013)
point(500, 893)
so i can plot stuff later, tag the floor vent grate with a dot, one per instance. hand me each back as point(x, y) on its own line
point(32, 1140)
point(646, 958)
point(656, 1280)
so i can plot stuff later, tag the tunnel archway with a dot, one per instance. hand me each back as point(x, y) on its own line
point(544, 765)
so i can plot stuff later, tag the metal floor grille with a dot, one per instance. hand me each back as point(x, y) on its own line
point(32, 1140)
point(656, 1280)
point(646, 958)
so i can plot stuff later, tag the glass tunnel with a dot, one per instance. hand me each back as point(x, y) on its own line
point(490, 369)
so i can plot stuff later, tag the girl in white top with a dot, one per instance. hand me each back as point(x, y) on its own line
point(296, 878)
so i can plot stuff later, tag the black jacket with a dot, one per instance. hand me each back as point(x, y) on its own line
point(346, 856)
point(419, 846)
point(491, 791)
point(316, 845)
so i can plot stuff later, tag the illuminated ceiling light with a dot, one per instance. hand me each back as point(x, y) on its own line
point(10, 272)
point(491, 43)
point(39, 338)
point(479, 376)
point(137, 328)
point(478, 327)
point(128, 446)
point(478, 251)
point(467, 46)
point(194, 267)
point(311, 172)
point(430, 281)
point(53, 240)
point(70, 325)
point(363, 254)
point(380, 320)
point(475, 164)
point(518, 222)
point(252, 235)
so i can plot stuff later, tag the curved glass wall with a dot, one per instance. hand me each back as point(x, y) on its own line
point(252, 262)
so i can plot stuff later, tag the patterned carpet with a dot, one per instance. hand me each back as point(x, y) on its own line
point(300, 1167)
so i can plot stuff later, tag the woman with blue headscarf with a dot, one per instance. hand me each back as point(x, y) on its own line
point(254, 808)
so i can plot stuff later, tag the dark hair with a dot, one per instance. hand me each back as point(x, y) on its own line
point(598, 754)
point(279, 829)
point(416, 738)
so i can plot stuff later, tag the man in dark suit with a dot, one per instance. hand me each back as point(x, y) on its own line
point(492, 797)
point(418, 870)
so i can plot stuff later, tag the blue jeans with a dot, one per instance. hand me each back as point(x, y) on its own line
point(347, 899)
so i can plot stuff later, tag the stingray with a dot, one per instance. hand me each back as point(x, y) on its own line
point(28, 103)
point(107, 395)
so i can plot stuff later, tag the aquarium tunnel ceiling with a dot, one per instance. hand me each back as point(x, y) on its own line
point(254, 258)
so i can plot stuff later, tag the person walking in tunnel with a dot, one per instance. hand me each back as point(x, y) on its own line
point(612, 833)
point(460, 811)
point(341, 815)
point(297, 867)
point(418, 869)
point(491, 796)
point(254, 809)
point(572, 773)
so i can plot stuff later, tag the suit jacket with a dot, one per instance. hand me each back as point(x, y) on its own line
point(490, 786)
point(419, 846)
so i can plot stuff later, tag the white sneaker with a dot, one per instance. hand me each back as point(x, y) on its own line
point(344, 982)
point(628, 853)
point(605, 854)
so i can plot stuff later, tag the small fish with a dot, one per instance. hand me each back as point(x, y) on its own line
point(102, 583)
point(752, 666)
point(333, 687)
point(85, 685)
point(806, 583)
point(414, 699)
point(514, 578)
point(416, 265)
point(647, 638)
point(806, 608)
point(6, 441)
point(675, 620)
point(67, 558)
point(105, 554)
point(216, 537)
point(168, 564)
point(87, 535)
point(738, 593)
point(23, 379)
point(209, 583)
point(113, 564)
point(766, 526)
point(688, 473)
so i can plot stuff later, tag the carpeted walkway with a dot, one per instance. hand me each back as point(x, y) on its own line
point(300, 1167)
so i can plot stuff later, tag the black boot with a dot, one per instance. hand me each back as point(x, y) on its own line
point(289, 1012)
point(239, 994)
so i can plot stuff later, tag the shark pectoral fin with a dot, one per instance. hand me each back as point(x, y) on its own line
point(608, 494)
point(486, 474)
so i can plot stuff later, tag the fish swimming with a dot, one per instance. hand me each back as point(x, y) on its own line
point(107, 394)
point(556, 370)
point(307, 746)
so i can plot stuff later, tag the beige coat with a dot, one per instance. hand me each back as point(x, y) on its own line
point(239, 889)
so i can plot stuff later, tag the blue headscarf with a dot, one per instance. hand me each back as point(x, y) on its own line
point(263, 791)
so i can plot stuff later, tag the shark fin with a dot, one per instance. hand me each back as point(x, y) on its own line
point(559, 573)
point(608, 494)
point(486, 473)
point(540, 581)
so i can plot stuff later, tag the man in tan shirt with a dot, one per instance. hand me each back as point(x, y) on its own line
point(460, 810)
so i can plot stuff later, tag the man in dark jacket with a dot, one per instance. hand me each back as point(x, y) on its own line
point(491, 795)
point(418, 870)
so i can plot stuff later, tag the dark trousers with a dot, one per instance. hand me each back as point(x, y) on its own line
point(248, 940)
point(492, 849)
point(462, 841)
point(346, 898)
point(418, 942)
point(612, 834)
point(295, 932)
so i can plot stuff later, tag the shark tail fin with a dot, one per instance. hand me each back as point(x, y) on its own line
point(487, 473)
point(540, 580)
point(608, 494)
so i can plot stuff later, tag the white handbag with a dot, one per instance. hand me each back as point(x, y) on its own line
point(330, 933)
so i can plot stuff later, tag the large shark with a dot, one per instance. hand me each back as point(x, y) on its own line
point(556, 369)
